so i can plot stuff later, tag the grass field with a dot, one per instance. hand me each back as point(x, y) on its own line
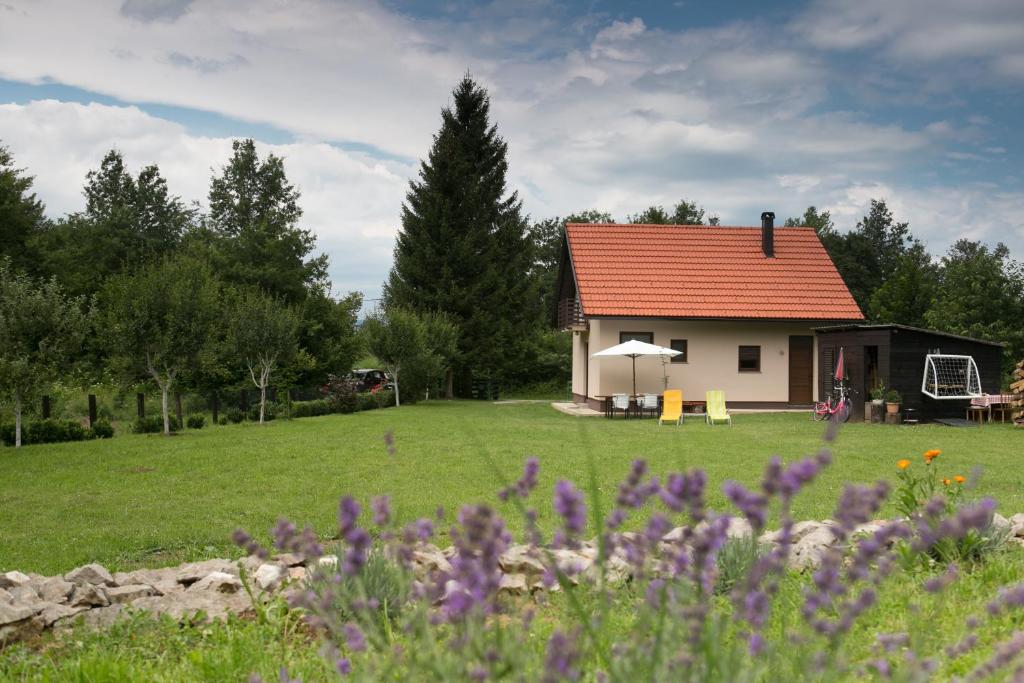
point(149, 500)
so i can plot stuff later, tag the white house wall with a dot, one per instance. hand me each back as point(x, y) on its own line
point(712, 350)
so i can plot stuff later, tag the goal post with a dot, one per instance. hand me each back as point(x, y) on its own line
point(950, 377)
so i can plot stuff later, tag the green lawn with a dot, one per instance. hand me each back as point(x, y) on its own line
point(150, 500)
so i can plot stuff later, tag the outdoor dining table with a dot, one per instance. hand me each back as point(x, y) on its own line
point(634, 405)
point(990, 401)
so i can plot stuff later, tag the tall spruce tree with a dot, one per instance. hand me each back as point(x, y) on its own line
point(463, 248)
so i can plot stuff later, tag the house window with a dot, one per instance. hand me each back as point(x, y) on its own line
point(646, 337)
point(750, 359)
point(680, 346)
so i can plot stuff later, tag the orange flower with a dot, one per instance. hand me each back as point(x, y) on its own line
point(903, 464)
point(960, 479)
point(931, 455)
point(945, 482)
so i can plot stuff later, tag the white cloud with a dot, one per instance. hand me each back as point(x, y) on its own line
point(615, 115)
point(350, 201)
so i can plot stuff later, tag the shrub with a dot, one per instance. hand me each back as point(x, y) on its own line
point(154, 424)
point(223, 420)
point(234, 415)
point(341, 392)
point(382, 581)
point(254, 413)
point(735, 560)
point(102, 429)
point(45, 431)
point(195, 421)
point(312, 408)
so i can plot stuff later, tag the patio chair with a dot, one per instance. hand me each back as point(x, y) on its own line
point(716, 410)
point(672, 407)
point(649, 403)
point(620, 402)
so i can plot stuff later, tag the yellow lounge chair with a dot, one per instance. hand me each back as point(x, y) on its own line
point(716, 410)
point(672, 406)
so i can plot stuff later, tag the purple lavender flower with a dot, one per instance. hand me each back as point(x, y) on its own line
point(479, 542)
point(754, 506)
point(381, 506)
point(938, 583)
point(389, 441)
point(354, 637)
point(358, 547)
point(685, 491)
point(570, 506)
point(343, 666)
point(283, 533)
point(561, 658)
point(424, 529)
point(348, 514)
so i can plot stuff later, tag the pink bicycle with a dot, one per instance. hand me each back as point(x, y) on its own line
point(837, 405)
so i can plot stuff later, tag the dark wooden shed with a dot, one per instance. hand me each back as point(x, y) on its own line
point(895, 356)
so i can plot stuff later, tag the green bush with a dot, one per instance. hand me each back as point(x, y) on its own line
point(45, 431)
point(268, 413)
point(102, 429)
point(341, 392)
point(234, 415)
point(222, 421)
point(195, 421)
point(312, 408)
point(154, 424)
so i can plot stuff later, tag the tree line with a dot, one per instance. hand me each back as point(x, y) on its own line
point(141, 287)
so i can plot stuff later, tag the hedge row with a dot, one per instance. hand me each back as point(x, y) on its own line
point(55, 431)
point(326, 406)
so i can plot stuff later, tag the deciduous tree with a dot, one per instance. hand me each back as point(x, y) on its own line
point(39, 330)
point(263, 331)
point(160, 322)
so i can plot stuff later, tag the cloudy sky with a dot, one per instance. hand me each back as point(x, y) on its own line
point(742, 106)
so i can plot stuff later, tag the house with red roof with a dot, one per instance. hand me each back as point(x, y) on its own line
point(739, 303)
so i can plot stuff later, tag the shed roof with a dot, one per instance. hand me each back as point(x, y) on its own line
point(896, 326)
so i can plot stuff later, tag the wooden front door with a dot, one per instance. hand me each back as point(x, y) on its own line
point(801, 370)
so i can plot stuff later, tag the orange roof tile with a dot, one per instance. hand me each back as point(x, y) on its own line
point(695, 271)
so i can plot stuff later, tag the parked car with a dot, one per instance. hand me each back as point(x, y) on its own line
point(371, 379)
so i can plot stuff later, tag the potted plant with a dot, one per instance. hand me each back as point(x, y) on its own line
point(892, 405)
point(878, 393)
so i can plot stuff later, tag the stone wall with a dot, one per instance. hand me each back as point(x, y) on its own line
point(31, 603)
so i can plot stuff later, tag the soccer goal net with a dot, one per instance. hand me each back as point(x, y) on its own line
point(948, 376)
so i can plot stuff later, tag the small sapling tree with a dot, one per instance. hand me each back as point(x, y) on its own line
point(39, 327)
point(420, 346)
point(263, 331)
point(161, 321)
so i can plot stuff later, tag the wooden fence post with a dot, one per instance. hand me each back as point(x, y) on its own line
point(140, 405)
point(46, 407)
point(92, 410)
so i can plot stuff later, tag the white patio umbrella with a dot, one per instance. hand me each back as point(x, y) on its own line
point(634, 348)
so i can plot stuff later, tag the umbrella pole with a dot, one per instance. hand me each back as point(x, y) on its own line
point(634, 375)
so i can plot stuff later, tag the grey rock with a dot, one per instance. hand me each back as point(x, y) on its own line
point(94, 574)
point(327, 562)
point(1017, 524)
point(251, 563)
point(125, 594)
point(290, 559)
point(52, 613)
point(22, 629)
point(297, 573)
point(189, 604)
point(12, 614)
point(193, 571)
point(521, 559)
point(217, 581)
point(512, 584)
point(89, 595)
point(13, 579)
point(427, 559)
point(1000, 523)
point(55, 589)
point(5, 597)
point(269, 575)
point(24, 594)
point(808, 551)
point(102, 617)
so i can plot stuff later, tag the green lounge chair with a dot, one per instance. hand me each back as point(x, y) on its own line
point(716, 411)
